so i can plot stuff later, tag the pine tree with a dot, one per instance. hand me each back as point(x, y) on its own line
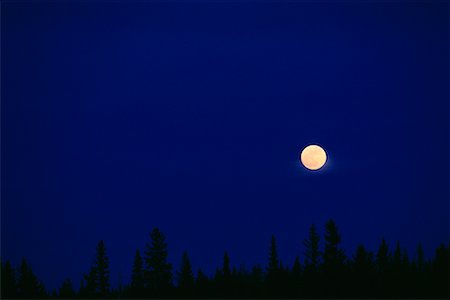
point(273, 269)
point(397, 259)
point(96, 282)
point(202, 285)
point(89, 285)
point(296, 268)
point(333, 256)
point(137, 276)
point(363, 272)
point(257, 281)
point(383, 265)
point(383, 257)
point(312, 253)
point(159, 271)
point(102, 268)
point(273, 265)
point(440, 271)
point(66, 290)
point(333, 261)
point(226, 271)
point(420, 258)
point(8, 281)
point(28, 285)
point(185, 276)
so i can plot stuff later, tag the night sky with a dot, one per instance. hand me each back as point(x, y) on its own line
point(117, 118)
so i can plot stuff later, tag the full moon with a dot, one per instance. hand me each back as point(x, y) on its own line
point(313, 157)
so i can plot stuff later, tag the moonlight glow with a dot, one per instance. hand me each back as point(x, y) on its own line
point(313, 157)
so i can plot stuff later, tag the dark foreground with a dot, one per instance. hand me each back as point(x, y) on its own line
point(325, 272)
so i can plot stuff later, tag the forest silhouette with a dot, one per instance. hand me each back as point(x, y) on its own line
point(325, 271)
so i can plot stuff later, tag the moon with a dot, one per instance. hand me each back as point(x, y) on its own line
point(313, 157)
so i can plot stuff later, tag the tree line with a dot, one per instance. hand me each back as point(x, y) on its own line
point(325, 272)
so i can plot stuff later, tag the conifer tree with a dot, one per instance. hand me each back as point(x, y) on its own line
point(296, 268)
point(102, 268)
point(397, 259)
point(333, 261)
point(383, 265)
point(186, 276)
point(226, 270)
point(273, 265)
point(158, 273)
point(363, 272)
point(420, 258)
point(383, 257)
point(312, 253)
point(137, 276)
point(273, 269)
point(201, 285)
point(66, 290)
point(333, 256)
point(28, 284)
point(89, 285)
point(8, 281)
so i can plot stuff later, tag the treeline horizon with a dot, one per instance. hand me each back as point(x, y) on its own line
point(325, 272)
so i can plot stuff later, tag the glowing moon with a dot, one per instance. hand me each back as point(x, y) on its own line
point(313, 157)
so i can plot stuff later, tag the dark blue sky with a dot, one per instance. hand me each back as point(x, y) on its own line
point(117, 118)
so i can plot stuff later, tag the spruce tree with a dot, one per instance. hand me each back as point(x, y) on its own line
point(202, 285)
point(89, 285)
point(420, 258)
point(137, 276)
point(66, 290)
point(383, 265)
point(363, 272)
point(273, 265)
point(333, 261)
point(333, 256)
point(312, 253)
point(185, 276)
point(397, 259)
point(226, 270)
point(102, 270)
point(383, 257)
point(296, 268)
point(273, 269)
point(8, 281)
point(28, 284)
point(158, 273)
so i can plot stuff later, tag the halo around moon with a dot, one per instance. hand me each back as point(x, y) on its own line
point(313, 157)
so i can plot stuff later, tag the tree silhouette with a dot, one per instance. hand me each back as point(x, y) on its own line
point(273, 269)
point(89, 286)
point(273, 265)
point(383, 257)
point(324, 275)
point(137, 276)
point(333, 259)
point(96, 282)
point(383, 261)
point(185, 276)
point(102, 268)
point(440, 270)
point(312, 262)
point(158, 275)
point(420, 258)
point(363, 272)
point(28, 284)
point(8, 282)
point(297, 268)
point(202, 285)
point(312, 253)
point(66, 290)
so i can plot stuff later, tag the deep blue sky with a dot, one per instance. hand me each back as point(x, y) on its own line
point(117, 118)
